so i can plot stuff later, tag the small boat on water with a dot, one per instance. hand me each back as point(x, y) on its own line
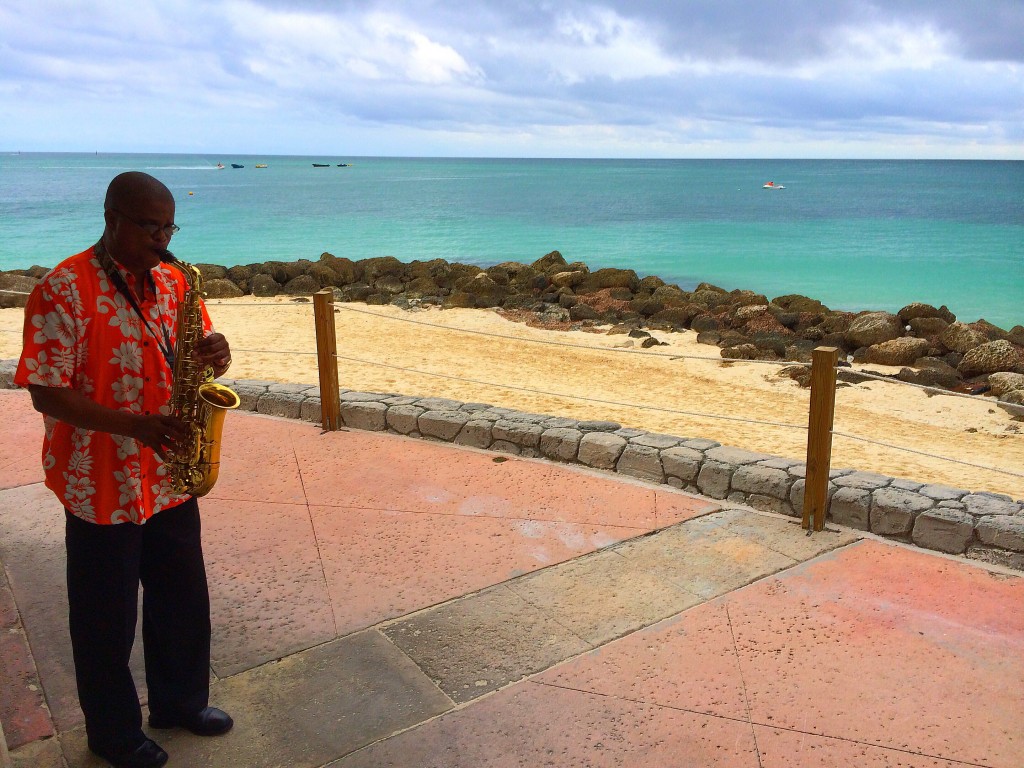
point(772, 185)
point(236, 165)
point(261, 165)
point(219, 166)
point(343, 165)
point(321, 165)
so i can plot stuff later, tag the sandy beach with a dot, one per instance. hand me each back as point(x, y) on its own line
point(479, 356)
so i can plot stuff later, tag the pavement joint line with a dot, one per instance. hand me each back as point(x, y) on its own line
point(743, 683)
point(530, 678)
point(407, 618)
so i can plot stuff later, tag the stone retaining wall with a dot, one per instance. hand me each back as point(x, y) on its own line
point(980, 525)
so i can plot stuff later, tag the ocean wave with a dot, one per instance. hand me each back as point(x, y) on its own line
point(182, 168)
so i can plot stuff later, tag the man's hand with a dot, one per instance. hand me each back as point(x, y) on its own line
point(159, 433)
point(213, 350)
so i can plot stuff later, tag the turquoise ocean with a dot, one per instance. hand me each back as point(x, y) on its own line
point(855, 234)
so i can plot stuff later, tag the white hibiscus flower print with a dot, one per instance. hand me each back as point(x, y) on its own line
point(78, 489)
point(125, 320)
point(126, 446)
point(130, 489)
point(40, 371)
point(54, 326)
point(128, 389)
point(128, 357)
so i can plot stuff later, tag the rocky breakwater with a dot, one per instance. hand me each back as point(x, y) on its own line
point(927, 345)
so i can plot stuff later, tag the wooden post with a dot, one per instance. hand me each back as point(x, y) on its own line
point(327, 360)
point(819, 435)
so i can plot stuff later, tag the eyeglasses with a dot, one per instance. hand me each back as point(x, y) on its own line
point(150, 228)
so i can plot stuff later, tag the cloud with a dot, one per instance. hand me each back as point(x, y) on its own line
point(642, 77)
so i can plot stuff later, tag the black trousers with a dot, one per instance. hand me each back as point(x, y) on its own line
point(105, 565)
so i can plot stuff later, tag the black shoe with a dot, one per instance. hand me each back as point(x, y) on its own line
point(207, 722)
point(146, 755)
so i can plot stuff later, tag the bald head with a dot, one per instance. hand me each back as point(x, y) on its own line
point(138, 214)
point(129, 190)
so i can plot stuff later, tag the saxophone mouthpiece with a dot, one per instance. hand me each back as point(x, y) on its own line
point(167, 257)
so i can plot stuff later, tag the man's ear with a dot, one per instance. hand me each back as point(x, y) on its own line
point(109, 217)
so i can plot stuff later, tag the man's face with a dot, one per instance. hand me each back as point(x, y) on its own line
point(140, 231)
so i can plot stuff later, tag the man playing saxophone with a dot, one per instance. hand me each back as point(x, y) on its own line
point(98, 359)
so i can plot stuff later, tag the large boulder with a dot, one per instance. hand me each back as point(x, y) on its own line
point(550, 263)
point(936, 374)
point(1003, 383)
point(794, 302)
point(962, 338)
point(264, 285)
point(873, 328)
point(14, 289)
point(928, 327)
point(285, 271)
point(212, 271)
point(377, 267)
point(486, 292)
point(919, 310)
point(609, 278)
point(671, 296)
point(303, 285)
point(902, 351)
point(345, 269)
point(221, 288)
point(993, 332)
point(679, 317)
point(992, 357)
point(324, 275)
point(570, 280)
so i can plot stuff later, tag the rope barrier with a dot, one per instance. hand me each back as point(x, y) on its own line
point(290, 305)
point(935, 390)
point(572, 397)
point(929, 455)
point(491, 334)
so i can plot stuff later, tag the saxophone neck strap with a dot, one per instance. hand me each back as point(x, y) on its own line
point(107, 264)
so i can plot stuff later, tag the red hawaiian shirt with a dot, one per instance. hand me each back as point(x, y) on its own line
point(80, 332)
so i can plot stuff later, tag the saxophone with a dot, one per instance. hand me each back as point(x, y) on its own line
point(196, 399)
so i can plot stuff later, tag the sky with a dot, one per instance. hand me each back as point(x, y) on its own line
point(516, 78)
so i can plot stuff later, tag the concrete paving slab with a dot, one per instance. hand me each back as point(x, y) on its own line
point(483, 642)
point(785, 749)
point(779, 534)
point(39, 754)
point(21, 449)
point(306, 709)
point(917, 641)
point(267, 589)
point(258, 459)
point(23, 710)
point(32, 551)
point(316, 705)
point(705, 557)
point(685, 663)
point(401, 474)
point(543, 725)
point(443, 556)
point(603, 596)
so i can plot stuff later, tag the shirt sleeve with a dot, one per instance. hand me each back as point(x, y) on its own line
point(50, 334)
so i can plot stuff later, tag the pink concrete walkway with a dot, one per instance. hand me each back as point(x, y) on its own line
point(379, 600)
